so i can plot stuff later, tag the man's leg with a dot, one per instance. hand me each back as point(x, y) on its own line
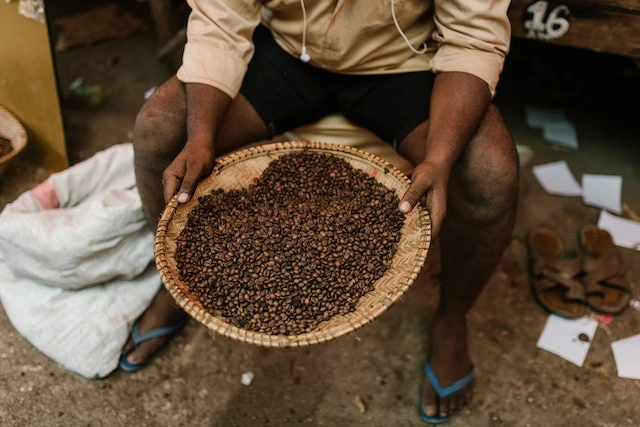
point(159, 135)
point(481, 210)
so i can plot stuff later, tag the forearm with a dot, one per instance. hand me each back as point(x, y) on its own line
point(206, 108)
point(458, 104)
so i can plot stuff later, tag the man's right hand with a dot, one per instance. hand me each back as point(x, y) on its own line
point(182, 176)
point(206, 106)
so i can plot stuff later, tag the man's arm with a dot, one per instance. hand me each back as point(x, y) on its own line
point(219, 47)
point(473, 39)
point(458, 104)
point(206, 107)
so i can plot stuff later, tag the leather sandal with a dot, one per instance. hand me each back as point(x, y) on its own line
point(607, 289)
point(554, 275)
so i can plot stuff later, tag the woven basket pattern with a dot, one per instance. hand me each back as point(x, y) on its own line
point(236, 171)
point(13, 130)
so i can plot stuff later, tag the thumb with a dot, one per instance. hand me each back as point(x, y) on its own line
point(188, 185)
point(414, 193)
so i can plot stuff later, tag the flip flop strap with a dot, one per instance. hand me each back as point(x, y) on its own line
point(597, 286)
point(604, 267)
point(551, 279)
point(567, 267)
point(607, 270)
point(443, 392)
point(156, 333)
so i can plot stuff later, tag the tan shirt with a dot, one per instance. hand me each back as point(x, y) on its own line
point(348, 36)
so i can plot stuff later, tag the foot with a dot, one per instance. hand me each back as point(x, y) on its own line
point(161, 313)
point(450, 361)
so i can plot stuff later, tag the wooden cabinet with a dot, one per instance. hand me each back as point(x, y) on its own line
point(28, 86)
point(611, 26)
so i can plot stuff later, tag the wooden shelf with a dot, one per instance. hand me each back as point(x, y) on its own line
point(611, 26)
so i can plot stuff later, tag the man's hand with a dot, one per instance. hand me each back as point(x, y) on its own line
point(206, 107)
point(458, 103)
point(182, 176)
point(429, 182)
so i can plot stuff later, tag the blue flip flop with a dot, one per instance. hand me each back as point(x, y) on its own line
point(441, 392)
point(138, 339)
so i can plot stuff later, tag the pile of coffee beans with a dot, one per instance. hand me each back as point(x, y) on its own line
point(300, 245)
point(5, 146)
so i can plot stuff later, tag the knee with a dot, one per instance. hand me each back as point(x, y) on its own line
point(147, 132)
point(487, 178)
point(160, 125)
point(142, 136)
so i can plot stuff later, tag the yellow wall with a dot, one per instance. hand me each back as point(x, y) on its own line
point(28, 86)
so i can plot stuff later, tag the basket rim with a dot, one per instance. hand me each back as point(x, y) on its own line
point(351, 322)
point(19, 141)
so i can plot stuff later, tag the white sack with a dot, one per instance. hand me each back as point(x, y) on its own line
point(99, 232)
point(84, 330)
point(74, 279)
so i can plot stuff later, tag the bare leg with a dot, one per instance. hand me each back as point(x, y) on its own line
point(159, 135)
point(481, 210)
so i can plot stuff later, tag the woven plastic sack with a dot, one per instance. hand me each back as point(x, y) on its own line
point(73, 279)
point(97, 234)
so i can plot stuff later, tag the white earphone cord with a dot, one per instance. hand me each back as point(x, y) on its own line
point(304, 56)
point(406, 40)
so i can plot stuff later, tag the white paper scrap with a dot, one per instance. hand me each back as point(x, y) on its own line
point(602, 191)
point(561, 133)
point(539, 117)
point(562, 337)
point(625, 232)
point(626, 353)
point(556, 178)
point(246, 378)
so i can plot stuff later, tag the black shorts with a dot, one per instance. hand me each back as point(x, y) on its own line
point(288, 93)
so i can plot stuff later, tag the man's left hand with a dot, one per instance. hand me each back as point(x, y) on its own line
point(428, 182)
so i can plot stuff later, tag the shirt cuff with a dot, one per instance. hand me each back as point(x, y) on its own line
point(212, 66)
point(484, 65)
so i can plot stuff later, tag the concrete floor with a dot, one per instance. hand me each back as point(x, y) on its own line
point(196, 380)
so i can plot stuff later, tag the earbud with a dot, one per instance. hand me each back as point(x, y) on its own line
point(304, 56)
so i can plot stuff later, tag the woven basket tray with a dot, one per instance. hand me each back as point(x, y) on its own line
point(236, 171)
point(13, 130)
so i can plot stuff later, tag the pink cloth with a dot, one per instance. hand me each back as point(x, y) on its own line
point(46, 195)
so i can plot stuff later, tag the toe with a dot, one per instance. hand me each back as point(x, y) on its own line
point(429, 400)
point(446, 407)
point(144, 351)
point(430, 410)
point(133, 358)
point(128, 347)
point(469, 393)
point(453, 404)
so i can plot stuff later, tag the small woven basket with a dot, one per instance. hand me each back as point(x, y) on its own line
point(237, 170)
point(13, 130)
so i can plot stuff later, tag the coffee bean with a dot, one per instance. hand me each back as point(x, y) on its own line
point(300, 245)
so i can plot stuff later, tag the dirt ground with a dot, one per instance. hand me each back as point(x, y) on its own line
point(196, 380)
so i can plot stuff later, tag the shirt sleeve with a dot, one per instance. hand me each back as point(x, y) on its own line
point(219, 43)
point(473, 37)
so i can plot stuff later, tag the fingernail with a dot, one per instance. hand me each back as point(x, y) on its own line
point(183, 197)
point(405, 207)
